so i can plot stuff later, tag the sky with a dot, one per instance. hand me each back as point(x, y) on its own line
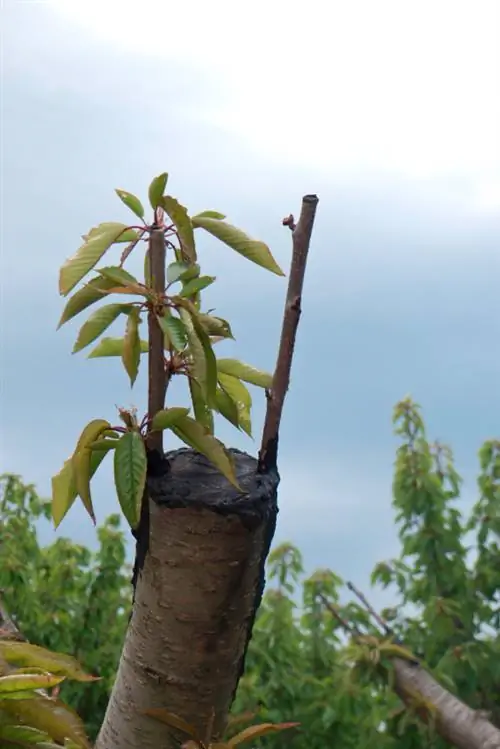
point(389, 111)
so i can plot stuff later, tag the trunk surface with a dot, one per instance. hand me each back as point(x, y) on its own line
point(200, 564)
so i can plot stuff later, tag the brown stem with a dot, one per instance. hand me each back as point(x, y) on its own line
point(301, 233)
point(382, 624)
point(156, 365)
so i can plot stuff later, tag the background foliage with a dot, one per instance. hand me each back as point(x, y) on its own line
point(300, 665)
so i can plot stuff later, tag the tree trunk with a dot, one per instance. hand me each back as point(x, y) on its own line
point(199, 580)
point(456, 722)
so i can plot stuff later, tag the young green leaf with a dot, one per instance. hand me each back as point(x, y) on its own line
point(179, 216)
point(195, 435)
point(131, 355)
point(215, 326)
point(167, 417)
point(119, 276)
point(203, 414)
point(226, 407)
point(82, 461)
point(156, 190)
point(64, 490)
point(245, 372)
point(196, 285)
point(204, 363)
point(130, 465)
point(104, 444)
point(132, 202)
point(255, 732)
point(98, 240)
point(98, 322)
point(113, 347)
point(175, 331)
point(92, 292)
point(252, 249)
point(209, 214)
point(241, 397)
point(175, 271)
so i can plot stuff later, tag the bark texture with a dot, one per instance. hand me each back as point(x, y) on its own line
point(199, 581)
point(455, 721)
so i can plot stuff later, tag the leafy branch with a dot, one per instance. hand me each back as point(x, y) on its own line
point(180, 342)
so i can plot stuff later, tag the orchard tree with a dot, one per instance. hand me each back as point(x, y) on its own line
point(203, 516)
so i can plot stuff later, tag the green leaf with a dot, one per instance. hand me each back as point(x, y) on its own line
point(82, 461)
point(156, 190)
point(226, 407)
point(130, 465)
point(252, 249)
point(23, 682)
point(255, 732)
point(165, 418)
point(204, 363)
point(174, 330)
point(175, 271)
point(202, 412)
point(64, 491)
point(195, 435)
point(241, 397)
point(92, 292)
point(179, 216)
point(51, 716)
point(216, 326)
point(113, 347)
point(98, 240)
point(197, 284)
point(209, 214)
point(132, 202)
point(97, 324)
point(131, 355)
point(119, 276)
point(245, 372)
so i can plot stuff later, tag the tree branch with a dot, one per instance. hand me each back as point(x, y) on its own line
point(301, 233)
point(156, 361)
point(8, 629)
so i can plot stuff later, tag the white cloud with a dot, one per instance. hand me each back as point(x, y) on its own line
point(410, 88)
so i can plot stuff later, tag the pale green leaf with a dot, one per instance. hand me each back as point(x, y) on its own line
point(204, 364)
point(156, 189)
point(82, 458)
point(96, 243)
point(226, 407)
point(179, 216)
point(175, 271)
point(113, 347)
point(98, 322)
point(174, 330)
point(64, 491)
point(196, 285)
point(241, 397)
point(209, 214)
point(203, 414)
point(118, 275)
point(165, 418)
point(195, 435)
point(132, 202)
point(131, 355)
point(245, 372)
point(92, 292)
point(255, 732)
point(215, 326)
point(252, 249)
point(130, 466)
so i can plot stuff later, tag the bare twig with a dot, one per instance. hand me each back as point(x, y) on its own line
point(382, 624)
point(156, 361)
point(301, 233)
point(352, 629)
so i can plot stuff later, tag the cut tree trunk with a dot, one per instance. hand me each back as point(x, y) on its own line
point(199, 579)
point(456, 722)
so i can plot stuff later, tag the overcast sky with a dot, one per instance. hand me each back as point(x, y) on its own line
point(389, 111)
